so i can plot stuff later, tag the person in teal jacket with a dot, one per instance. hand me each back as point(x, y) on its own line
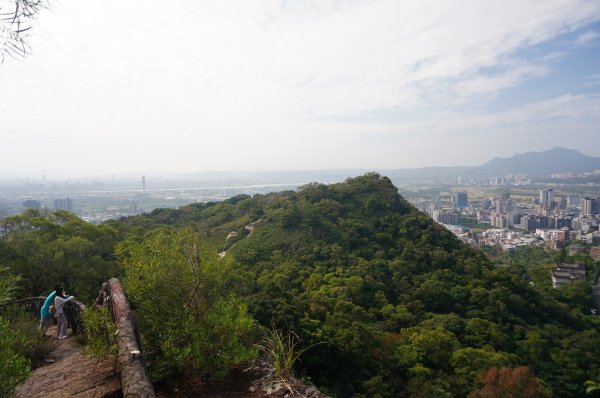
point(45, 315)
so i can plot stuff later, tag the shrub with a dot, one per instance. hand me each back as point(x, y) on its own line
point(14, 367)
point(98, 333)
point(191, 323)
point(508, 382)
point(34, 347)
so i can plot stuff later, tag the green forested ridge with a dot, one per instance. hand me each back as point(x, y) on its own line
point(58, 248)
point(405, 309)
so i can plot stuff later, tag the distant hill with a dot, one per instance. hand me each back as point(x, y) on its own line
point(537, 164)
point(557, 160)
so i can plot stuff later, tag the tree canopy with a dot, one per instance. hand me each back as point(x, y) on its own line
point(406, 309)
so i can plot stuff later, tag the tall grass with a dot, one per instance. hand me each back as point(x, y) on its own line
point(283, 350)
point(99, 333)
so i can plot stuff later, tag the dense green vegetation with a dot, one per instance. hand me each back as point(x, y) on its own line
point(192, 322)
point(14, 365)
point(99, 333)
point(406, 309)
point(403, 308)
point(45, 250)
point(58, 248)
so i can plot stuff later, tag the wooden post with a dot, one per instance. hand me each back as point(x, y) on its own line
point(135, 382)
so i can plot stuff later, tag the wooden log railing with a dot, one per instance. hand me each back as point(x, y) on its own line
point(135, 382)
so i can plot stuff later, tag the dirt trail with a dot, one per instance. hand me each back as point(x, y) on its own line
point(249, 228)
point(71, 375)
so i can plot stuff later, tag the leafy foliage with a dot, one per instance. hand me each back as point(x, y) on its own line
point(58, 248)
point(8, 285)
point(99, 333)
point(405, 308)
point(506, 382)
point(408, 309)
point(191, 322)
point(14, 366)
point(591, 386)
point(34, 347)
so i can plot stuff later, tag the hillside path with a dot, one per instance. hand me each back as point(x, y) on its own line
point(71, 375)
point(249, 228)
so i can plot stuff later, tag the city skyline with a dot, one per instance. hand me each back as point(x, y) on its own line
point(116, 87)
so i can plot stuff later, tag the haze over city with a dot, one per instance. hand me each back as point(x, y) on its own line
point(113, 87)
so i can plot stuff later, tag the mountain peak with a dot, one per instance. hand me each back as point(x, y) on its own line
point(555, 160)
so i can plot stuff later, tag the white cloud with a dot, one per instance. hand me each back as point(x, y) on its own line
point(201, 85)
point(592, 80)
point(587, 38)
point(567, 106)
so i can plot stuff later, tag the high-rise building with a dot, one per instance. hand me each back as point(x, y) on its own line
point(547, 198)
point(529, 223)
point(486, 204)
point(133, 207)
point(503, 221)
point(500, 206)
point(436, 200)
point(589, 206)
point(459, 200)
point(533, 222)
point(562, 222)
point(63, 204)
point(562, 203)
point(543, 197)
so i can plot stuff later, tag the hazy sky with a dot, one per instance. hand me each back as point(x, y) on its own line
point(191, 85)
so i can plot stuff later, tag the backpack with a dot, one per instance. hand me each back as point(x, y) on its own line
point(52, 309)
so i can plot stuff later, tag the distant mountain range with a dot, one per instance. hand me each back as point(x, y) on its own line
point(536, 164)
point(557, 160)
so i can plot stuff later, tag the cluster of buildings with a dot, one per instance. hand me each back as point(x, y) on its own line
point(96, 217)
point(65, 204)
point(549, 219)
